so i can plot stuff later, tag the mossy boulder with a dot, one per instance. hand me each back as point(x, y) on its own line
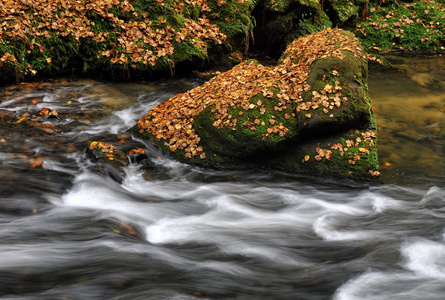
point(257, 113)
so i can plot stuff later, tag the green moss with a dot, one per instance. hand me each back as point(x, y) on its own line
point(282, 6)
point(147, 7)
point(344, 11)
point(68, 53)
point(260, 129)
point(12, 71)
point(235, 21)
point(354, 163)
point(186, 51)
point(415, 27)
point(245, 142)
point(351, 76)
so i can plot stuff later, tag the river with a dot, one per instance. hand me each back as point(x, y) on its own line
point(172, 231)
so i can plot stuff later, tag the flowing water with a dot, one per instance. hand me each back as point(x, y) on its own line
point(172, 231)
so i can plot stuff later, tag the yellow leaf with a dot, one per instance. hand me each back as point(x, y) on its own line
point(364, 151)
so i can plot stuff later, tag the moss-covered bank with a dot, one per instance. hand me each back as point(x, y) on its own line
point(123, 39)
point(117, 38)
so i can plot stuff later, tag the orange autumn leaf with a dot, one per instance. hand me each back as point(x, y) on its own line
point(128, 228)
point(36, 162)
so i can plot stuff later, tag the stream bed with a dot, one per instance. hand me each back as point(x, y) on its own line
point(172, 231)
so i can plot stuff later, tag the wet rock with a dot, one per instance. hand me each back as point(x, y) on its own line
point(112, 161)
point(310, 113)
point(48, 113)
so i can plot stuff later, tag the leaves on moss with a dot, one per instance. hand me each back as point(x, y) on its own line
point(284, 84)
point(415, 26)
point(126, 35)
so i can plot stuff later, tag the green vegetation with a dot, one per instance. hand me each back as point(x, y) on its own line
point(405, 27)
point(348, 155)
point(127, 38)
point(117, 37)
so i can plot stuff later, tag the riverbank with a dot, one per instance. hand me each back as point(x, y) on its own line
point(133, 40)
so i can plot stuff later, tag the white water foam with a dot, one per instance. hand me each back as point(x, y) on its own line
point(424, 277)
point(426, 258)
point(435, 196)
point(49, 164)
point(179, 261)
point(107, 197)
point(382, 204)
point(121, 120)
point(325, 227)
point(390, 285)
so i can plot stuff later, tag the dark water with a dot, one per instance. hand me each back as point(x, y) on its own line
point(171, 231)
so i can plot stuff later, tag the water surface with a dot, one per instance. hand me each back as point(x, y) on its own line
point(172, 231)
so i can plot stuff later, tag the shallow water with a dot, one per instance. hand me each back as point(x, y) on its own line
point(171, 231)
point(410, 110)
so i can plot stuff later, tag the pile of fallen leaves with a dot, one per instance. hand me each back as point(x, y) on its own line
point(125, 34)
point(172, 121)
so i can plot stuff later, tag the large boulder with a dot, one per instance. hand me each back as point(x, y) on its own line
point(311, 112)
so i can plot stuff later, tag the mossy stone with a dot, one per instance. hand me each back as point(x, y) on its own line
point(297, 115)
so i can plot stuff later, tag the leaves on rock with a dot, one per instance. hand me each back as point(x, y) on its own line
point(172, 121)
point(106, 150)
point(49, 113)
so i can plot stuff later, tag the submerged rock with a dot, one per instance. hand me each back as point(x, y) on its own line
point(278, 115)
point(27, 125)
